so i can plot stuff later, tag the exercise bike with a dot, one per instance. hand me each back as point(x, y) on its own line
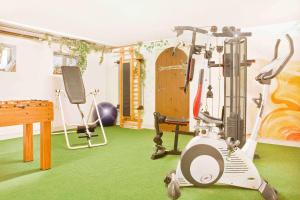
point(217, 155)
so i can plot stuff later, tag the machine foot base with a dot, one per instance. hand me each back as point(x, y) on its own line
point(268, 192)
point(159, 153)
point(172, 185)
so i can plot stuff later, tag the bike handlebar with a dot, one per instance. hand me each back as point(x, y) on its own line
point(272, 73)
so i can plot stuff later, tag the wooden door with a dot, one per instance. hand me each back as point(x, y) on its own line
point(170, 99)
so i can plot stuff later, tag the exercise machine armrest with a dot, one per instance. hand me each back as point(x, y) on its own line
point(177, 121)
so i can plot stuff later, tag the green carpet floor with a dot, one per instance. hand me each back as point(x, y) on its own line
point(123, 170)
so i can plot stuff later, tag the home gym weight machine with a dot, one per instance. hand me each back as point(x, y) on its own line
point(222, 155)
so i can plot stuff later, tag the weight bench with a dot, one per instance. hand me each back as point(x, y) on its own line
point(160, 150)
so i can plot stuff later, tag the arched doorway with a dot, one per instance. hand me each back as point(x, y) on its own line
point(170, 98)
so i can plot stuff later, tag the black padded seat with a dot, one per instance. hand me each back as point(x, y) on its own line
point(177, 121)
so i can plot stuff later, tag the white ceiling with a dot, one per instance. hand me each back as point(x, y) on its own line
point(118, 22)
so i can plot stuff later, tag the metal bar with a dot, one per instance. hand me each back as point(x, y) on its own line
point(63, 119)
point(100, 122)
point(232, 34)
point(26, 32)
point(176, 138)
point(121, 86)
point(179, 29)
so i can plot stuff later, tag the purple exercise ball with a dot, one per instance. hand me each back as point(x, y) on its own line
point(108, 113)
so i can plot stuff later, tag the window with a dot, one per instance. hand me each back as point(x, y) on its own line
point(7, 58)
point(62, 59)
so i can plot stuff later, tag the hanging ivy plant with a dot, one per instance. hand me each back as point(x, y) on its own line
point(48, 38)
point(101, 59)
point(140, 57)
point(150, 47)
point(78, 48)
point(101, 49)
point(155, 44)
point(81, 49)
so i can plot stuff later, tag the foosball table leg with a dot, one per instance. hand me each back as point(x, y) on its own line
point(27, 142)
point(45, 145)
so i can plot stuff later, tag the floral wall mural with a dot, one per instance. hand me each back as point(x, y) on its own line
point(282, 115)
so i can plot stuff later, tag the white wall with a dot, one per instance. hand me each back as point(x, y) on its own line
point(34, 80)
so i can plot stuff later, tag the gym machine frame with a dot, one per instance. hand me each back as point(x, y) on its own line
point(75, 92)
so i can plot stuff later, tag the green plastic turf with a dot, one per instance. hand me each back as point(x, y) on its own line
point(123, 170)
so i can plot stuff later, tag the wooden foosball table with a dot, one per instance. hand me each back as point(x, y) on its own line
point(27, 113)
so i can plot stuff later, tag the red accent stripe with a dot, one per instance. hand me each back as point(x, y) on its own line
point(197, 101)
